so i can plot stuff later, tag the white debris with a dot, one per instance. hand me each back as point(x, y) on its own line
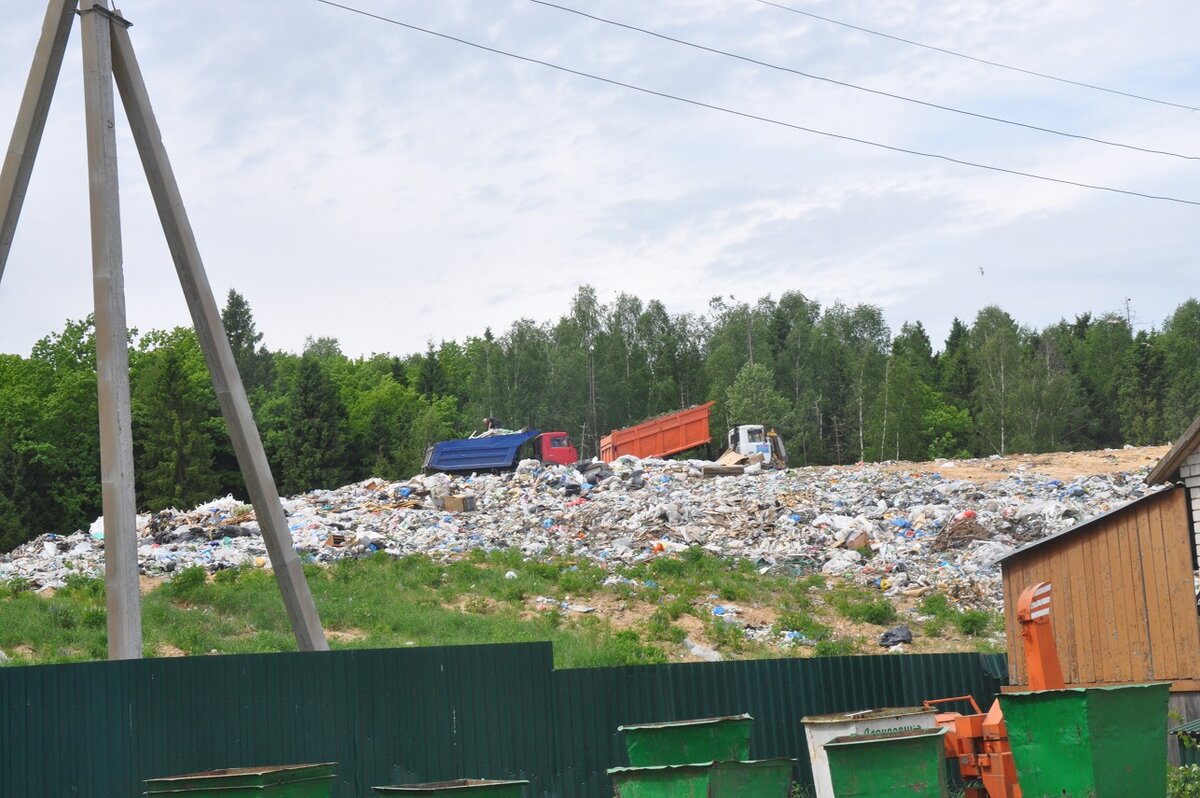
point(919, 532)
point(701, 651)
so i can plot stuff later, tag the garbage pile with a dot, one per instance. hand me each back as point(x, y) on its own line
point(902, 533)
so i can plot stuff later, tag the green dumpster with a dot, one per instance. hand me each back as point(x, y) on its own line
point(1099, 742)
point(685, 742)
point(763, 778)
point(909, 763)
point(467, 788)
point(277, 781)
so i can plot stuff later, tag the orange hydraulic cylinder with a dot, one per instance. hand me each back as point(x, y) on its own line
point(1041, 651)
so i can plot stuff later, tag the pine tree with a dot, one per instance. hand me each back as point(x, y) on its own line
point(311, 450)
point(432, 380)
point(913, 345)
point(253, 360)
point(1141, 390)
point(1102, 356)
point(176, 468)
point(955, 369)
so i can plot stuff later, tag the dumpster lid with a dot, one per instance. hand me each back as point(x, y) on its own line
point(779, 760)
point(868, 738)
point(453, 784)
point(1108, 687)
point(694, 722)
point(260, 770)
point(866, 714)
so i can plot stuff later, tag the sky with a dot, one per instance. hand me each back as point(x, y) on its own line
point(359, 180)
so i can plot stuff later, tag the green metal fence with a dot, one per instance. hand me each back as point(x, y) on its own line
point(386, 716)
point(418, 715)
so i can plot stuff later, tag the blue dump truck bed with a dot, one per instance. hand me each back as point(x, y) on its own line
point(495, 452)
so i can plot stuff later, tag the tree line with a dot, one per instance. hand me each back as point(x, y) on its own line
point(837, 383)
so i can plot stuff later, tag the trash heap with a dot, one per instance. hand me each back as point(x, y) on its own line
point(902, 533)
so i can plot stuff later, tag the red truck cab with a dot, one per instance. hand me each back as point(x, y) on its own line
point(556, 447)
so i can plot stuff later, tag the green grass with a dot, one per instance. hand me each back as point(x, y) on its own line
point(863, 606)
point(986, 646)
point(805, 624)
point(971, 623)
point(675, 607)
point(485, 597)
point(660, 627)
point(376, 602)
point(838, 647)
point(698, 574)
point(937, 605)
point(726, 636)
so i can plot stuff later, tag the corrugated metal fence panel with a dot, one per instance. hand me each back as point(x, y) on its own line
point(591, 703)
point(409, 715)
point(60, 729)
point(386, 716)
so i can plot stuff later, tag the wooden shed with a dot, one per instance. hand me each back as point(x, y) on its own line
point(1123, 601)
point(1182, 464)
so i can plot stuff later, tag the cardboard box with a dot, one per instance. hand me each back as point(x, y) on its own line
point(732, 458)
point(460, 502)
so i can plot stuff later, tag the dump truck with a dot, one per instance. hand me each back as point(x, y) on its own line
point(661, 436)
point(500, 452)
point(677, 432)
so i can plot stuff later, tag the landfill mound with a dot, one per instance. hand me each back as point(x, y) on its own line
point(905, 529)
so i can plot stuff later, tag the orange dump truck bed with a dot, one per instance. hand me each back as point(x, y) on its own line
point(659, 437)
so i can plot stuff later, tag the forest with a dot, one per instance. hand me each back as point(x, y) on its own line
point(834, 380)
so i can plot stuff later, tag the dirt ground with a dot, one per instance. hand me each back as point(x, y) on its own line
point(146, 584)
point(626, 614)
point(1058, 465)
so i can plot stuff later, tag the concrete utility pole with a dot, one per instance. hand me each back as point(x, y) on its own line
point(112, 339)
point(31, 119)
point(108, 53)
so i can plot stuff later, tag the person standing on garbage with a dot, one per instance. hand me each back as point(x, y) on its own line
point(491, 423)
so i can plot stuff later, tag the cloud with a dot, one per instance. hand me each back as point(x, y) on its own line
point(358, 180)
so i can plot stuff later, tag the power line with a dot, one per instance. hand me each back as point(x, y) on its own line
point(857, 87)
point(957, 54)
point(755, 117)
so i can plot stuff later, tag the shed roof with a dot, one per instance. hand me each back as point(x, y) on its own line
point(1191, 728)
point(1083, 525)
point(1166, 468)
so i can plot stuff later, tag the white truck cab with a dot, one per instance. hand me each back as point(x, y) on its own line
point(752, 439)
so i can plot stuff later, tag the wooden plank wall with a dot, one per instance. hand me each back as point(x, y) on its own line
point(1123, 605)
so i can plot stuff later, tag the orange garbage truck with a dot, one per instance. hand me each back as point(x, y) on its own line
point(660, 437)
